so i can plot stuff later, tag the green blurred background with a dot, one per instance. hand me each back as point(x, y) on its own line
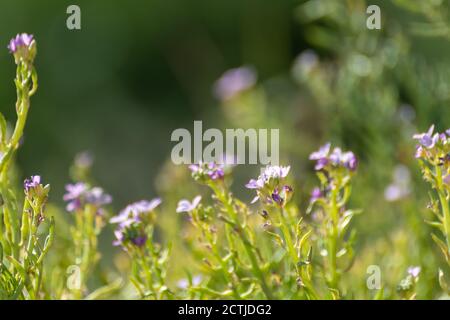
point(137, 70)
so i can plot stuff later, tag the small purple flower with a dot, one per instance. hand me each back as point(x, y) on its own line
point(186, 206)
point(321, 156)
point(139, 240)
point(211, 170)
point(21, 40)
point(316, 194)
point(31, 183)
point(254, 184)
point(270, 173)
point(184, 283)
point(414, 271)
point(447, 179)
point(350, 161)
point(233, 82)
point(276, 197)
point(134, 211)
point(131, 223)
point(420, 152)
point(79, 194)
point(447, 132)
point(321, 153)
point(427, 140)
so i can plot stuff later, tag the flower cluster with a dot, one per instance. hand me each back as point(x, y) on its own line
point(433, 153)
point(324, 159)
point(37, 195)
point(434, 149)
point(132, 222)
point(80, 194)
point(207, 171)
point(270, 186)
point(23, 47)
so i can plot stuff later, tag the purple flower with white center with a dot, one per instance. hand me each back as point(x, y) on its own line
point(414, 271)
point(316, 194)
point(21, 40)
point(270, 173)
point(31, 183)
point(233, 82)
point(186, 206)
point(268, 185)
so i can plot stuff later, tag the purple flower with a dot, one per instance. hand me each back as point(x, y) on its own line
point(97, 197)
point(336, 158)
point(130, 233)
point(134, 211)
point(268, 185)
point(269, 174)
point(276, 197)
point(79, 194)
point(139, 240)
point(255, 184)
point(131, 223)
point(447, 132)
point(186, 206)
point(211, 170)
point(31, 183)
point(21, 40)
point(233, 82)
point(321, 153)
point(316, 194)
point(420, 152)
point(350, 161)
point(321, 156)
point(184, 283)
point(447, 179)
point(427, 140)
point(414, 271)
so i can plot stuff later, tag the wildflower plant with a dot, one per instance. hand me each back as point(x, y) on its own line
point(87, 206)
point(433, 154)
point(135, 234)
point(335, 170)
point(26, 233)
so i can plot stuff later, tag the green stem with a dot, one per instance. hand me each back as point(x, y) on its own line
point(332, 239)
point(444, 204)
point(247, 245)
